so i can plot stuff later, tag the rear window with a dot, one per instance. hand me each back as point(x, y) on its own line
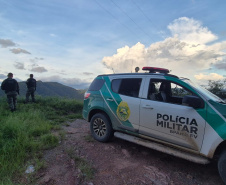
point(96, 85)
point(127, 86)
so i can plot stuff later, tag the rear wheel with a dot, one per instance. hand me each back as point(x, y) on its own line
point(100, 127)
point(222, 166)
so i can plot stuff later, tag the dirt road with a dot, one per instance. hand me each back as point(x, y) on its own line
point(117, 163)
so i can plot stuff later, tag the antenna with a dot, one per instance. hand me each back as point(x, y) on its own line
point(113, 70)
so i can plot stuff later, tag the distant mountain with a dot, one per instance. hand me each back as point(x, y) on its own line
point(51, 89)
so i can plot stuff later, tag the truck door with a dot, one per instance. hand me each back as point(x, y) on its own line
point(122, 99)
point(165, 118)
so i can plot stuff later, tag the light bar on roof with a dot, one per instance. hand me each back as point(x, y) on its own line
point(155, 70)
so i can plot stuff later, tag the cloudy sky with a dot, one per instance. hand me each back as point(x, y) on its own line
point(73, 41)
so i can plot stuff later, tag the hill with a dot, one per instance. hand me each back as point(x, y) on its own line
point(51, 89)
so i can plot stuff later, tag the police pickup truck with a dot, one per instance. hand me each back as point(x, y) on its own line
point(160, 111)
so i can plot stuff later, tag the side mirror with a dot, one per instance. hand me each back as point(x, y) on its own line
point(193, 101)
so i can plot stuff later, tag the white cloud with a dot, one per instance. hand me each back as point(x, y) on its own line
point(36, 58)
point(19, 65)
point(52, 35)
point(19, 50)
point(39, 69)
point(211, 76)
point(2, 76)
point(185, 53)
point(6, 43)
point(87, 73)
point(126, 58)
point(191, 31)
point(221, 65)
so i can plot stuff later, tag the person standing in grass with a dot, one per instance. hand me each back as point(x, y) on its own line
point(31, 88)
point(11, 88)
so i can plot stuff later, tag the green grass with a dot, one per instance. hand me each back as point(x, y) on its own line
point(49, 141)
point(85, 167)
point(87, 171)
point(24, 134)
point(89, 138)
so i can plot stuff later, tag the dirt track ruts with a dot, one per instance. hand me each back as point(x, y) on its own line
point(119, 162)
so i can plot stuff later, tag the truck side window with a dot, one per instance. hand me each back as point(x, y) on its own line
point(127, 86)
point(96, 85)
point(115, 85)
point(179, 91)
point(166, 91)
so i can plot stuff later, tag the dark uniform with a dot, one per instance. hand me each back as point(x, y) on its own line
point(31, 88)
point(11, 88)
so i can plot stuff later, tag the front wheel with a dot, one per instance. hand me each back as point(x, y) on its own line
point(101, 128)
point(222, 166)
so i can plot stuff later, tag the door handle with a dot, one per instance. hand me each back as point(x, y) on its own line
point(147, 107)
point(109, 99)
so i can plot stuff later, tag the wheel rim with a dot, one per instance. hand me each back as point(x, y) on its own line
point(99, 127)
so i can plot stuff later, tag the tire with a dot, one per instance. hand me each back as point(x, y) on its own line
point(222, 166)
point(100, 127)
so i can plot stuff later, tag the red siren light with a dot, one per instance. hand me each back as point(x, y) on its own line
point(156, 70)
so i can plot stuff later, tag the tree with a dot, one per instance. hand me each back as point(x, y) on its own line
point(216, 87)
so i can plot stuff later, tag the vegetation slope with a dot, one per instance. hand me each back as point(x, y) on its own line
point(25, 133)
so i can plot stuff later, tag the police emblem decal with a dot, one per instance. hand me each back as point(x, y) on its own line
point(123, 111)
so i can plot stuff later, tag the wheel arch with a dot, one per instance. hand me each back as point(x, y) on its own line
point(220, 148)
point(95, 111)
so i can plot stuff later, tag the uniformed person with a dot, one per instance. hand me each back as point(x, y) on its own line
point(11, 88)
point(31, 88)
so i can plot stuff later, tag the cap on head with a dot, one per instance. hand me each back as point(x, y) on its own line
point(31, 75)
point(10, 74)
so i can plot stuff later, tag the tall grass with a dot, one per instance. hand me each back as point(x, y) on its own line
point(26, 132)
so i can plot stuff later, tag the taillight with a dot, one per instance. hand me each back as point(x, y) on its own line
point(86, 95)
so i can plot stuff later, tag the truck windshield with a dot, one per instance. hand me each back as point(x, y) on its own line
point(204, 91)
